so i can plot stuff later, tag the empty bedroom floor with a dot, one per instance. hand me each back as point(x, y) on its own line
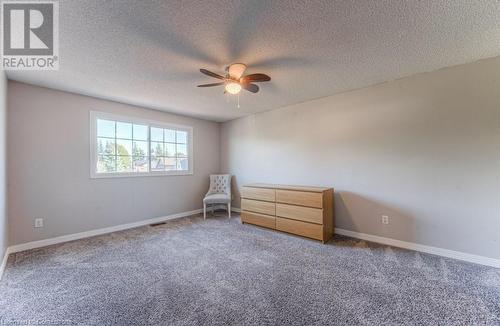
point(218, 272)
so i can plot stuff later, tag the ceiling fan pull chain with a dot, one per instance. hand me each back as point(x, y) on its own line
point(238, 100)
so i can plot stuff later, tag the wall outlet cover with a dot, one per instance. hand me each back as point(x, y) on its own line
point(39, 222)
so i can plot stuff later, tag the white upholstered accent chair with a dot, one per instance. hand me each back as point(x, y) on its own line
point(219, 193)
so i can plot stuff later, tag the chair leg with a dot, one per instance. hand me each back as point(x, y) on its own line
point(204, 211)
point(229, 209)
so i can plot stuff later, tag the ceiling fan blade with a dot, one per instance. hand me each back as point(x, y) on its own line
point(252, 78)
point(250, 87)
point(211, 74)
point(210, 85)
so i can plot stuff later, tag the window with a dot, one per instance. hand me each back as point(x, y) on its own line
point(123, 146)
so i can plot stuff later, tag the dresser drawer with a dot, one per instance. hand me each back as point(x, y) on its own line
point(305, 229)
point(302, 198)
point(258, 219)
point(301, 213)
point(258, 193)
point(263, 207)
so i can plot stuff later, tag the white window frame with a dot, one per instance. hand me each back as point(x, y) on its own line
point(95, 115)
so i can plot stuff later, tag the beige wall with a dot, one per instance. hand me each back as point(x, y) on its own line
point(424, 150)
point(3, 158)
point(48, 157)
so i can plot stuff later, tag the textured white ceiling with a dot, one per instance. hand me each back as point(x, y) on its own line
point(148, 52)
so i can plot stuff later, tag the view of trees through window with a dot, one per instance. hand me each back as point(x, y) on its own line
point(128, 147)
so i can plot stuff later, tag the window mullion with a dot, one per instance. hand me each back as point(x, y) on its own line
point(149, 149)
point(182, 162)
point(116, 150)
point(132, 154)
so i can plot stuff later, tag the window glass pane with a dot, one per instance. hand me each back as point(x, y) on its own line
point(123, 130)
point(124, 163)
point(157, 164)
point(170, 164)
point(141, 164)
point(169, 149)
point(140, 132)
point(128, 147)
point(105, 128)
point(170, 135)
point(182, 137)
point(157, 149)
point(105, 146)
point(105, 164)
point(123, 147)
point(181, 150)
point(140, 148)
point(182, 164)
point(156, 134)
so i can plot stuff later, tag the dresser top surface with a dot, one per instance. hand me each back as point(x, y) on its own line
point(288, 187)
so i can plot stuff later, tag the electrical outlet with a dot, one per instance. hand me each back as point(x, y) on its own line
point(385, 219)
point(39, 222)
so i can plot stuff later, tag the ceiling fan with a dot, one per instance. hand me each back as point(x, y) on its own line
point(234, 80)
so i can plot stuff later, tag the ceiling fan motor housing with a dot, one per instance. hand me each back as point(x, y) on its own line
point(236, 70)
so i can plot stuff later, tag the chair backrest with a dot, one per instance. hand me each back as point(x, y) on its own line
point(220, 183)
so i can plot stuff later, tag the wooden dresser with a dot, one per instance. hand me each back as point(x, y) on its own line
point(305, 211)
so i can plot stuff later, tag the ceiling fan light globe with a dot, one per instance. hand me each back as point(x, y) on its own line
point(233, 88)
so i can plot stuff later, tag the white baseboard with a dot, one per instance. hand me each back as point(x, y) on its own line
point(422, 248)
point(363, 236)
point(87, 234)
point(482, 260)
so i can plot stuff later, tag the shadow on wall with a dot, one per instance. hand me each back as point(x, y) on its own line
point(356, 213)
point(235, 192)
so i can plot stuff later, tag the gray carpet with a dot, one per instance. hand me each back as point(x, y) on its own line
point(220, 272)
